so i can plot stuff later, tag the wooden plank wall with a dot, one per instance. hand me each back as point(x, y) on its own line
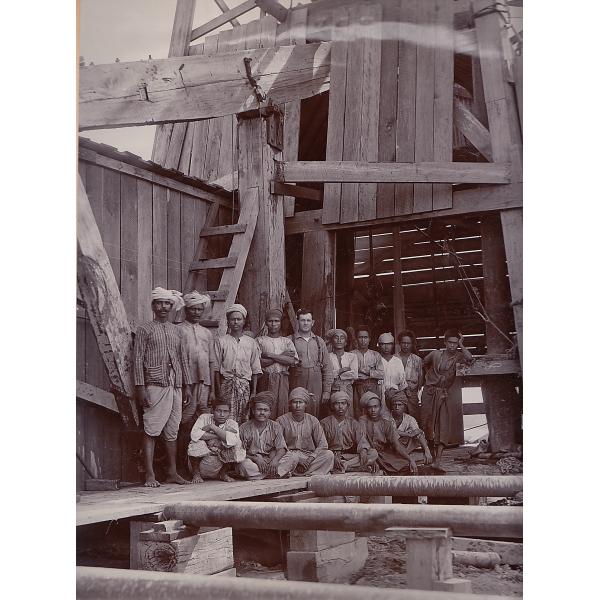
point(391, 99)
point(150, 234)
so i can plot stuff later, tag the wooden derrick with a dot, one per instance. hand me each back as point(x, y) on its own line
point(106, 311)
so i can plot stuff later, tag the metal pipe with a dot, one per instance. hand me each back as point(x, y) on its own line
point(468, 521)
point(94, 583)
point(481, 560)
point(451, 486)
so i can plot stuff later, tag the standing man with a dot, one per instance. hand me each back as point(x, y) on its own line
point(393, 369)
point(237, 364)
point(313, 370)
point(370, 370)
point(344, 364)
point(413, 370)
point(278, 354)
point(160, 370)
point(198, 350)
point(440, 373)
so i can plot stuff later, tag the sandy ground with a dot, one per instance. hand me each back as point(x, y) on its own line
point(386, 567)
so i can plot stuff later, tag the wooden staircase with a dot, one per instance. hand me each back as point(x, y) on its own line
point(233, 264)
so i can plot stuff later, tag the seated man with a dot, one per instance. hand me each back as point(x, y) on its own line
point(345, 437)
point(382, 435)
point(406, 425)
point(304, 436)
point(215, 444)
point(266, 452)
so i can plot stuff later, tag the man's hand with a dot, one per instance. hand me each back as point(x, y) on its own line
point(187, 394)
point(344, 370)
point(305, 460)
point(363, 458)
point(337, 463)
point(271, 470)
point(142, 395)
point(428, 457)
point(460, 341)
point(289, 353)
point(260, 462)
point(413, 467)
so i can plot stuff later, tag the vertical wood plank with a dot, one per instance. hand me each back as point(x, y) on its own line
point(352, 134)
point(94, 189)
point(144, 250)
point(253, 34)
point(406, 110)
point(268, 31)
point(159, 236)
point(336, 116)
point(82, 170)
point(129, 246)
point(111, 225)
point(186, 150)
point(398, 292)
point(443, 97)
point(388, 101)
point(189, 235)
point(367, 192)
point(174, 240)
point(423, 200)
point(198, 148)
point(80, 474)
point(80, 349)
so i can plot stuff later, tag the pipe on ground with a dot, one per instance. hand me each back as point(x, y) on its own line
point(482, 560)
point(94, 583)
point(450, 486)
point(469, 521)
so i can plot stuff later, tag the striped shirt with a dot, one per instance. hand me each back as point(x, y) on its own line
point(262, 442)
point(157, 349)
point(237, 357)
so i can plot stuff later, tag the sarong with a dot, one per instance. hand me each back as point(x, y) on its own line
point(414, 410)
point(435, 414)
point(279, 384)
point(236, 392)
point(164, 413)
point(391, 462)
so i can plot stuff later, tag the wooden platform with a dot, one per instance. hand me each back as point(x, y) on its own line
point(95, 507)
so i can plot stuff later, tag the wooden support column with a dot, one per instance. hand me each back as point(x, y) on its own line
point(399, 316)
point(344, 279)
point(428, 557)
point(318, 278)
point(263, 283)
point(502, 406)
point(105, 309)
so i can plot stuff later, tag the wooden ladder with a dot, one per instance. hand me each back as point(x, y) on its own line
point(233, 264)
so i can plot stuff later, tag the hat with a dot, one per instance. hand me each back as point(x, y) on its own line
point(195, 298)
point(236, 308)
point(265, 397)
point(395, 395)
point(172, 296)
point(273, 313)
point(337, 396)
point(300, 393)
point(386, 338)
point(368, 396)
point(333, 332)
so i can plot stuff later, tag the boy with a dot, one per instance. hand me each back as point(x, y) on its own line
point(266, 452)
point(215, 444)
point(346, 438)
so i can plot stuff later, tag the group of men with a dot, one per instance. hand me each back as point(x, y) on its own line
point(224, 407)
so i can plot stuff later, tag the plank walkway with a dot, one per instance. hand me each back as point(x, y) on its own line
point(95, 507)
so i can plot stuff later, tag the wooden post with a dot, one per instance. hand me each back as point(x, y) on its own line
point(105, 308)
point(399, 317)
point(264, 274)
point(499, 395)
point(428, 557)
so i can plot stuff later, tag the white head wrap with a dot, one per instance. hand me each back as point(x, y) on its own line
point(237, 308)
point(195, 298)
point(172, 296)
point(386, 338)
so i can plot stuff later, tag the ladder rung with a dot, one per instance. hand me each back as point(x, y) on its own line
point(223, 230)
point(214, 263)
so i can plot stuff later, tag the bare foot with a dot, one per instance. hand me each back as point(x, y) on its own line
point(197, 479)
point(227, 478)
point(151, 482)
point(177, 478)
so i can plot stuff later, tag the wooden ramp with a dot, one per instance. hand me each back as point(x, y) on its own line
point(95, 507)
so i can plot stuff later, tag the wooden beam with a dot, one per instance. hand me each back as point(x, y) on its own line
point(398, 293)
point(470, 126)
point(425, 172)
point(95, 395)
point(490, 364)
point(273, 8)
point(105, 308)
point(297, 191)
point(198, 87)
point(473, 408)
point(224, 8)
point(464, 202)
point(215, 23)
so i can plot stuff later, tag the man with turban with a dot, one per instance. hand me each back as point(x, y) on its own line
point(237, 364)
point(160, 370)
point(304, 436)
point(382, 435)
point(262, 438)
point(278, 354)
point(346, 438)
point(313, 370)
point(343, 364)
point(198, 350)
point(413, 370)
point(370, 369)
point(411, 436)
point(393, 369)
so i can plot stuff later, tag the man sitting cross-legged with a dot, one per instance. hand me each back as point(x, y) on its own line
point(304, 436)
point(262, 438)
point(408, 429)
point(346, 438)
point(215, 444)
